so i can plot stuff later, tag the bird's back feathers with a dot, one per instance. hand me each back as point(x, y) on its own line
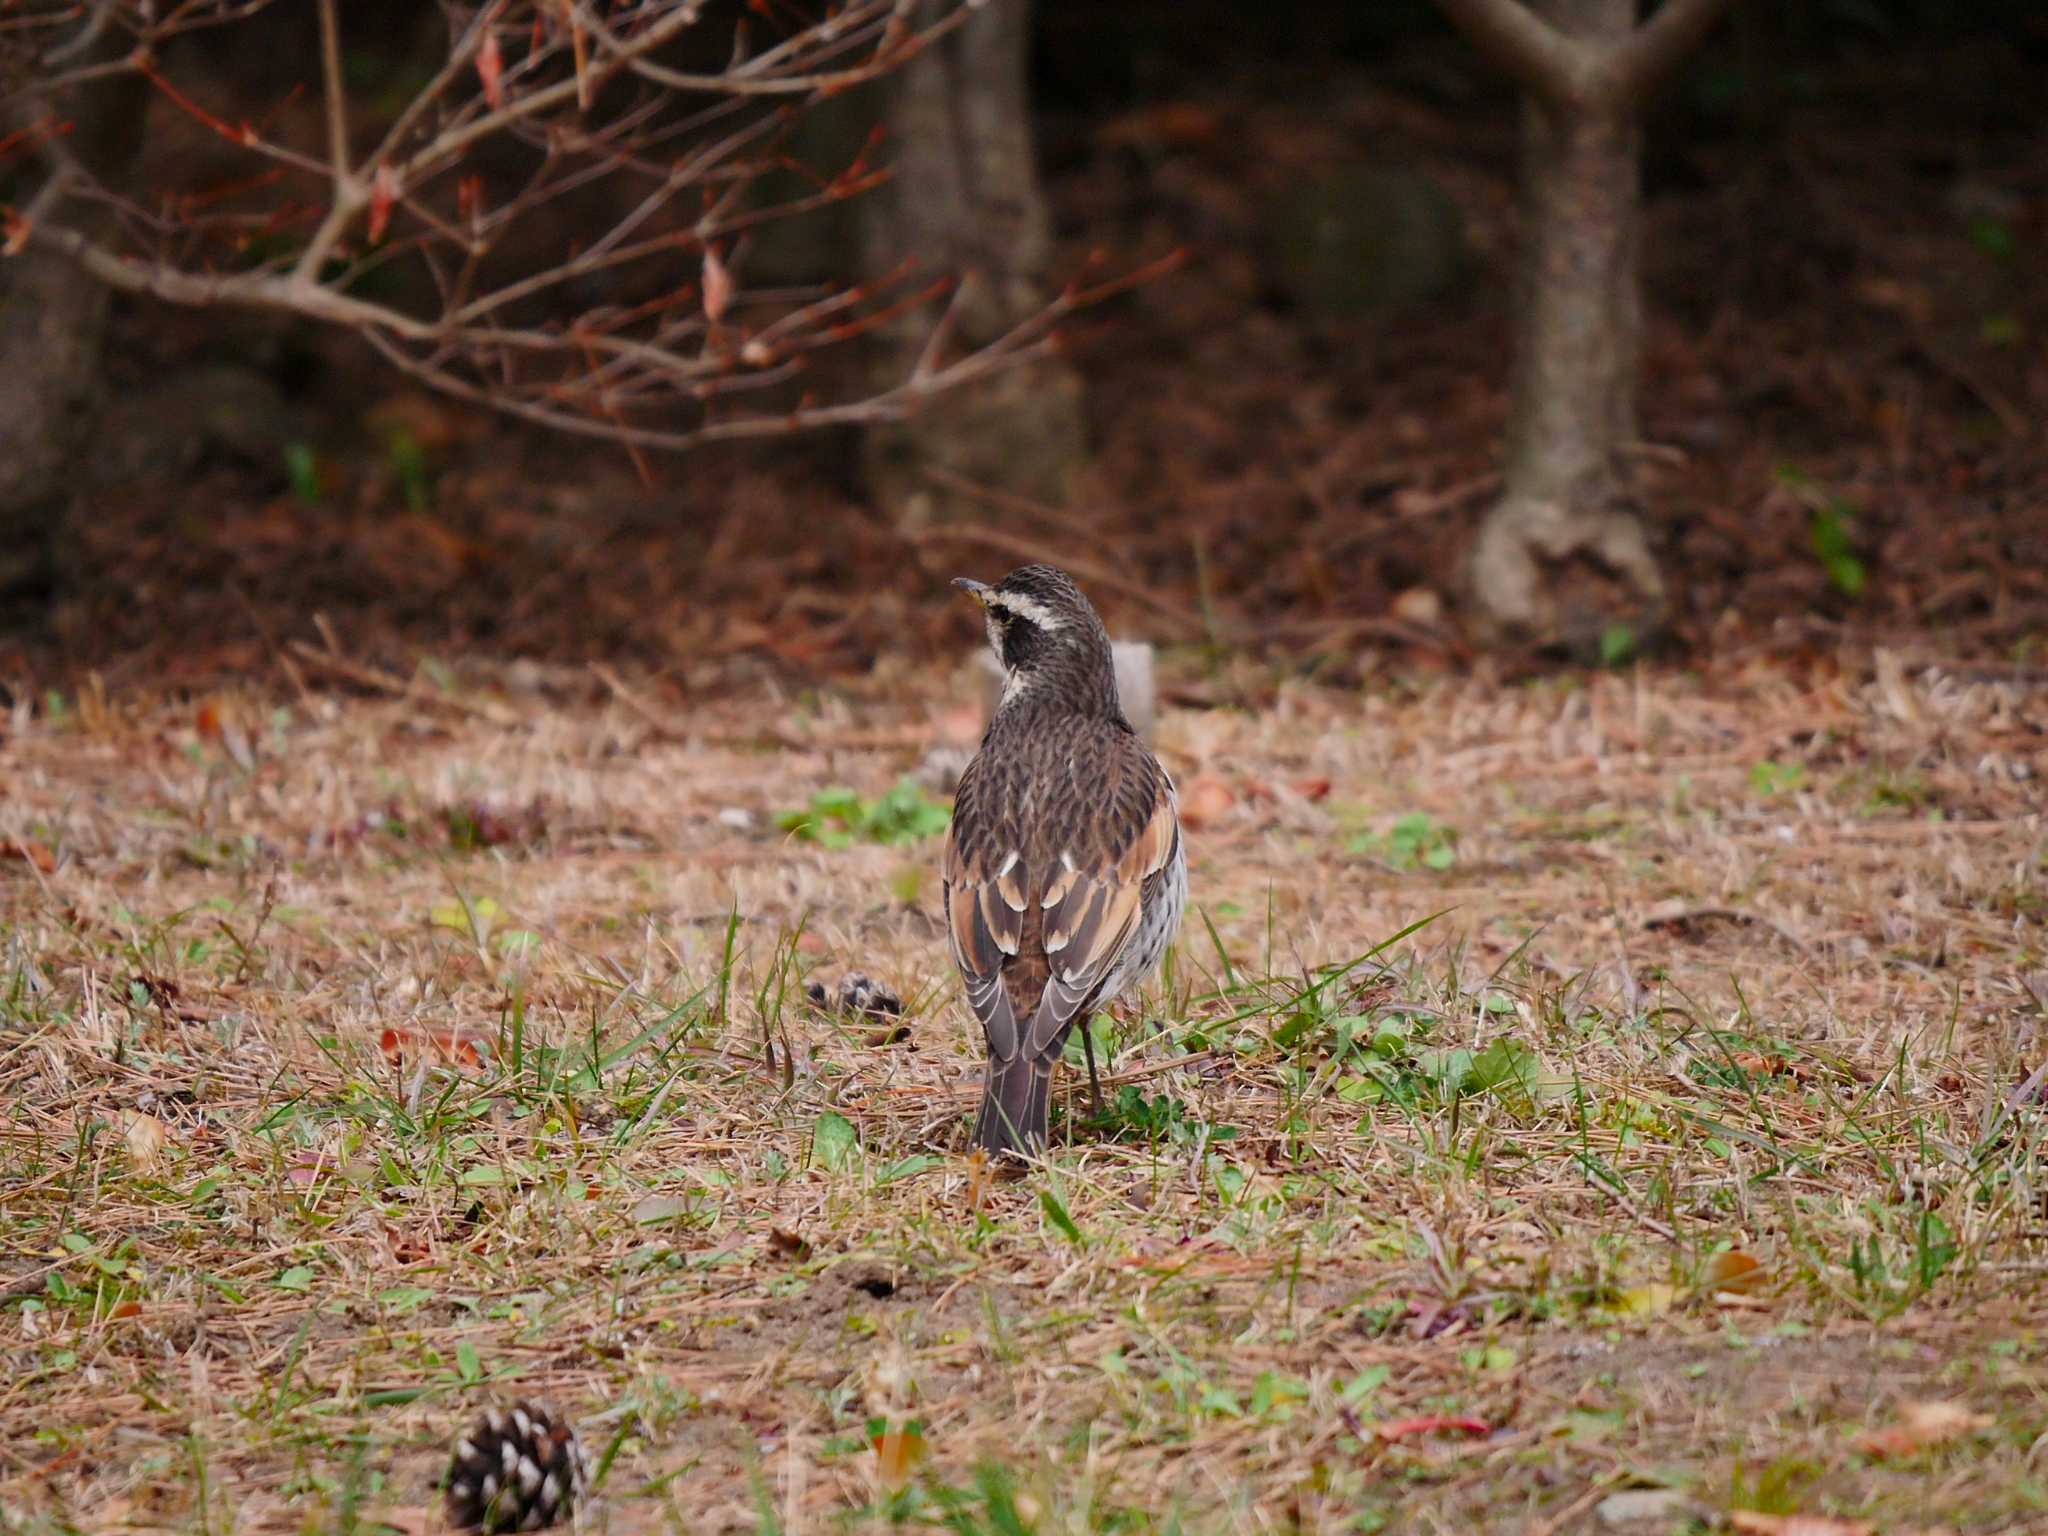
point(1062, 829)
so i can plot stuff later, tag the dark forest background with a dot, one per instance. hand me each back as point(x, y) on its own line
point(1290, 442)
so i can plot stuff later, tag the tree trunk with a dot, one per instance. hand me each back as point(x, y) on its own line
point(965, 199)
point(53, 319)
point(1563, 555)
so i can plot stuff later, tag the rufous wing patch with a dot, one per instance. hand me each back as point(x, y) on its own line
point(1153, 846)
point(974, 948)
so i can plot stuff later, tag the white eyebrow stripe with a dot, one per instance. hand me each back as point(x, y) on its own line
point(1028, 608)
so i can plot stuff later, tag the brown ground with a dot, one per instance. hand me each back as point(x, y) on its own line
point(1773, 943)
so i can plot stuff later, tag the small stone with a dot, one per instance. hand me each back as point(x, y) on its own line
point(1420, 606)
point(1641, 1506)
point(1137, 687)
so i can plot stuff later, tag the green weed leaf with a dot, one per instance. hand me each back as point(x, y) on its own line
point(1056, 1213)
point(834, 1143)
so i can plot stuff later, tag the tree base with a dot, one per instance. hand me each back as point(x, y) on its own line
point(32, 565)
point(1582, 583)
point(52, 316)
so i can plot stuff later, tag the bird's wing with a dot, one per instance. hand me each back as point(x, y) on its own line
point(986, 898)
point(1042, 893)
point(1091, 905)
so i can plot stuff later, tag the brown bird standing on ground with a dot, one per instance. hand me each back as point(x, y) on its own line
point(1064, 871)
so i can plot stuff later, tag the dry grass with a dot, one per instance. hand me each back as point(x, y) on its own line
point(367, 1058)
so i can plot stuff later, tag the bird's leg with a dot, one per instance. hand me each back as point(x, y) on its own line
point(1088, 1050)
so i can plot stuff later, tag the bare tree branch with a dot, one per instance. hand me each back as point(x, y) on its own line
point(348, 192)
point(747, 80)
point(71, 48)
point(1567, 70)
point(336, 102)
point(1524, 45)
point(1641, 64)
point(232, 290)
point(450, 143)
point(592, 279)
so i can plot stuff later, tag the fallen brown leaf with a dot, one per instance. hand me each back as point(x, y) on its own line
point(1733, 1270)
point(145, 1136)
point(1432, 1424)
point(1756, 1523)
point(1922, 1426)
point(898, 1450)
point(29, 851)
point(462, 1047)
point(1206, 799)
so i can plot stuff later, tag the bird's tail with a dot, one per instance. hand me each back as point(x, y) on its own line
point(1016, 1101)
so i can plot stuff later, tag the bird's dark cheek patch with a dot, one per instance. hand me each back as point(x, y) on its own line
point(1020, 643)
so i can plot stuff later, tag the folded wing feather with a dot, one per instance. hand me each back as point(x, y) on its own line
point(1078, 915)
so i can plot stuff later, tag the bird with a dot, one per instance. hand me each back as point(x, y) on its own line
point(1064, 874)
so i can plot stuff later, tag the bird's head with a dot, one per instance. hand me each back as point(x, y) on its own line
point(1045, 631)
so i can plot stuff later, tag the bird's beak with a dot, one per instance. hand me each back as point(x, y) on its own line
point(978, 590)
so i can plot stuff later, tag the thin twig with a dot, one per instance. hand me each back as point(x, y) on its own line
point(646, 712)
point(380, 681)
point(347, 194)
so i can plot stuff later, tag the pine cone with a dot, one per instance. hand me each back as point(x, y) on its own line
point(518, 1469)
point(859, 994)
point(862, 997)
